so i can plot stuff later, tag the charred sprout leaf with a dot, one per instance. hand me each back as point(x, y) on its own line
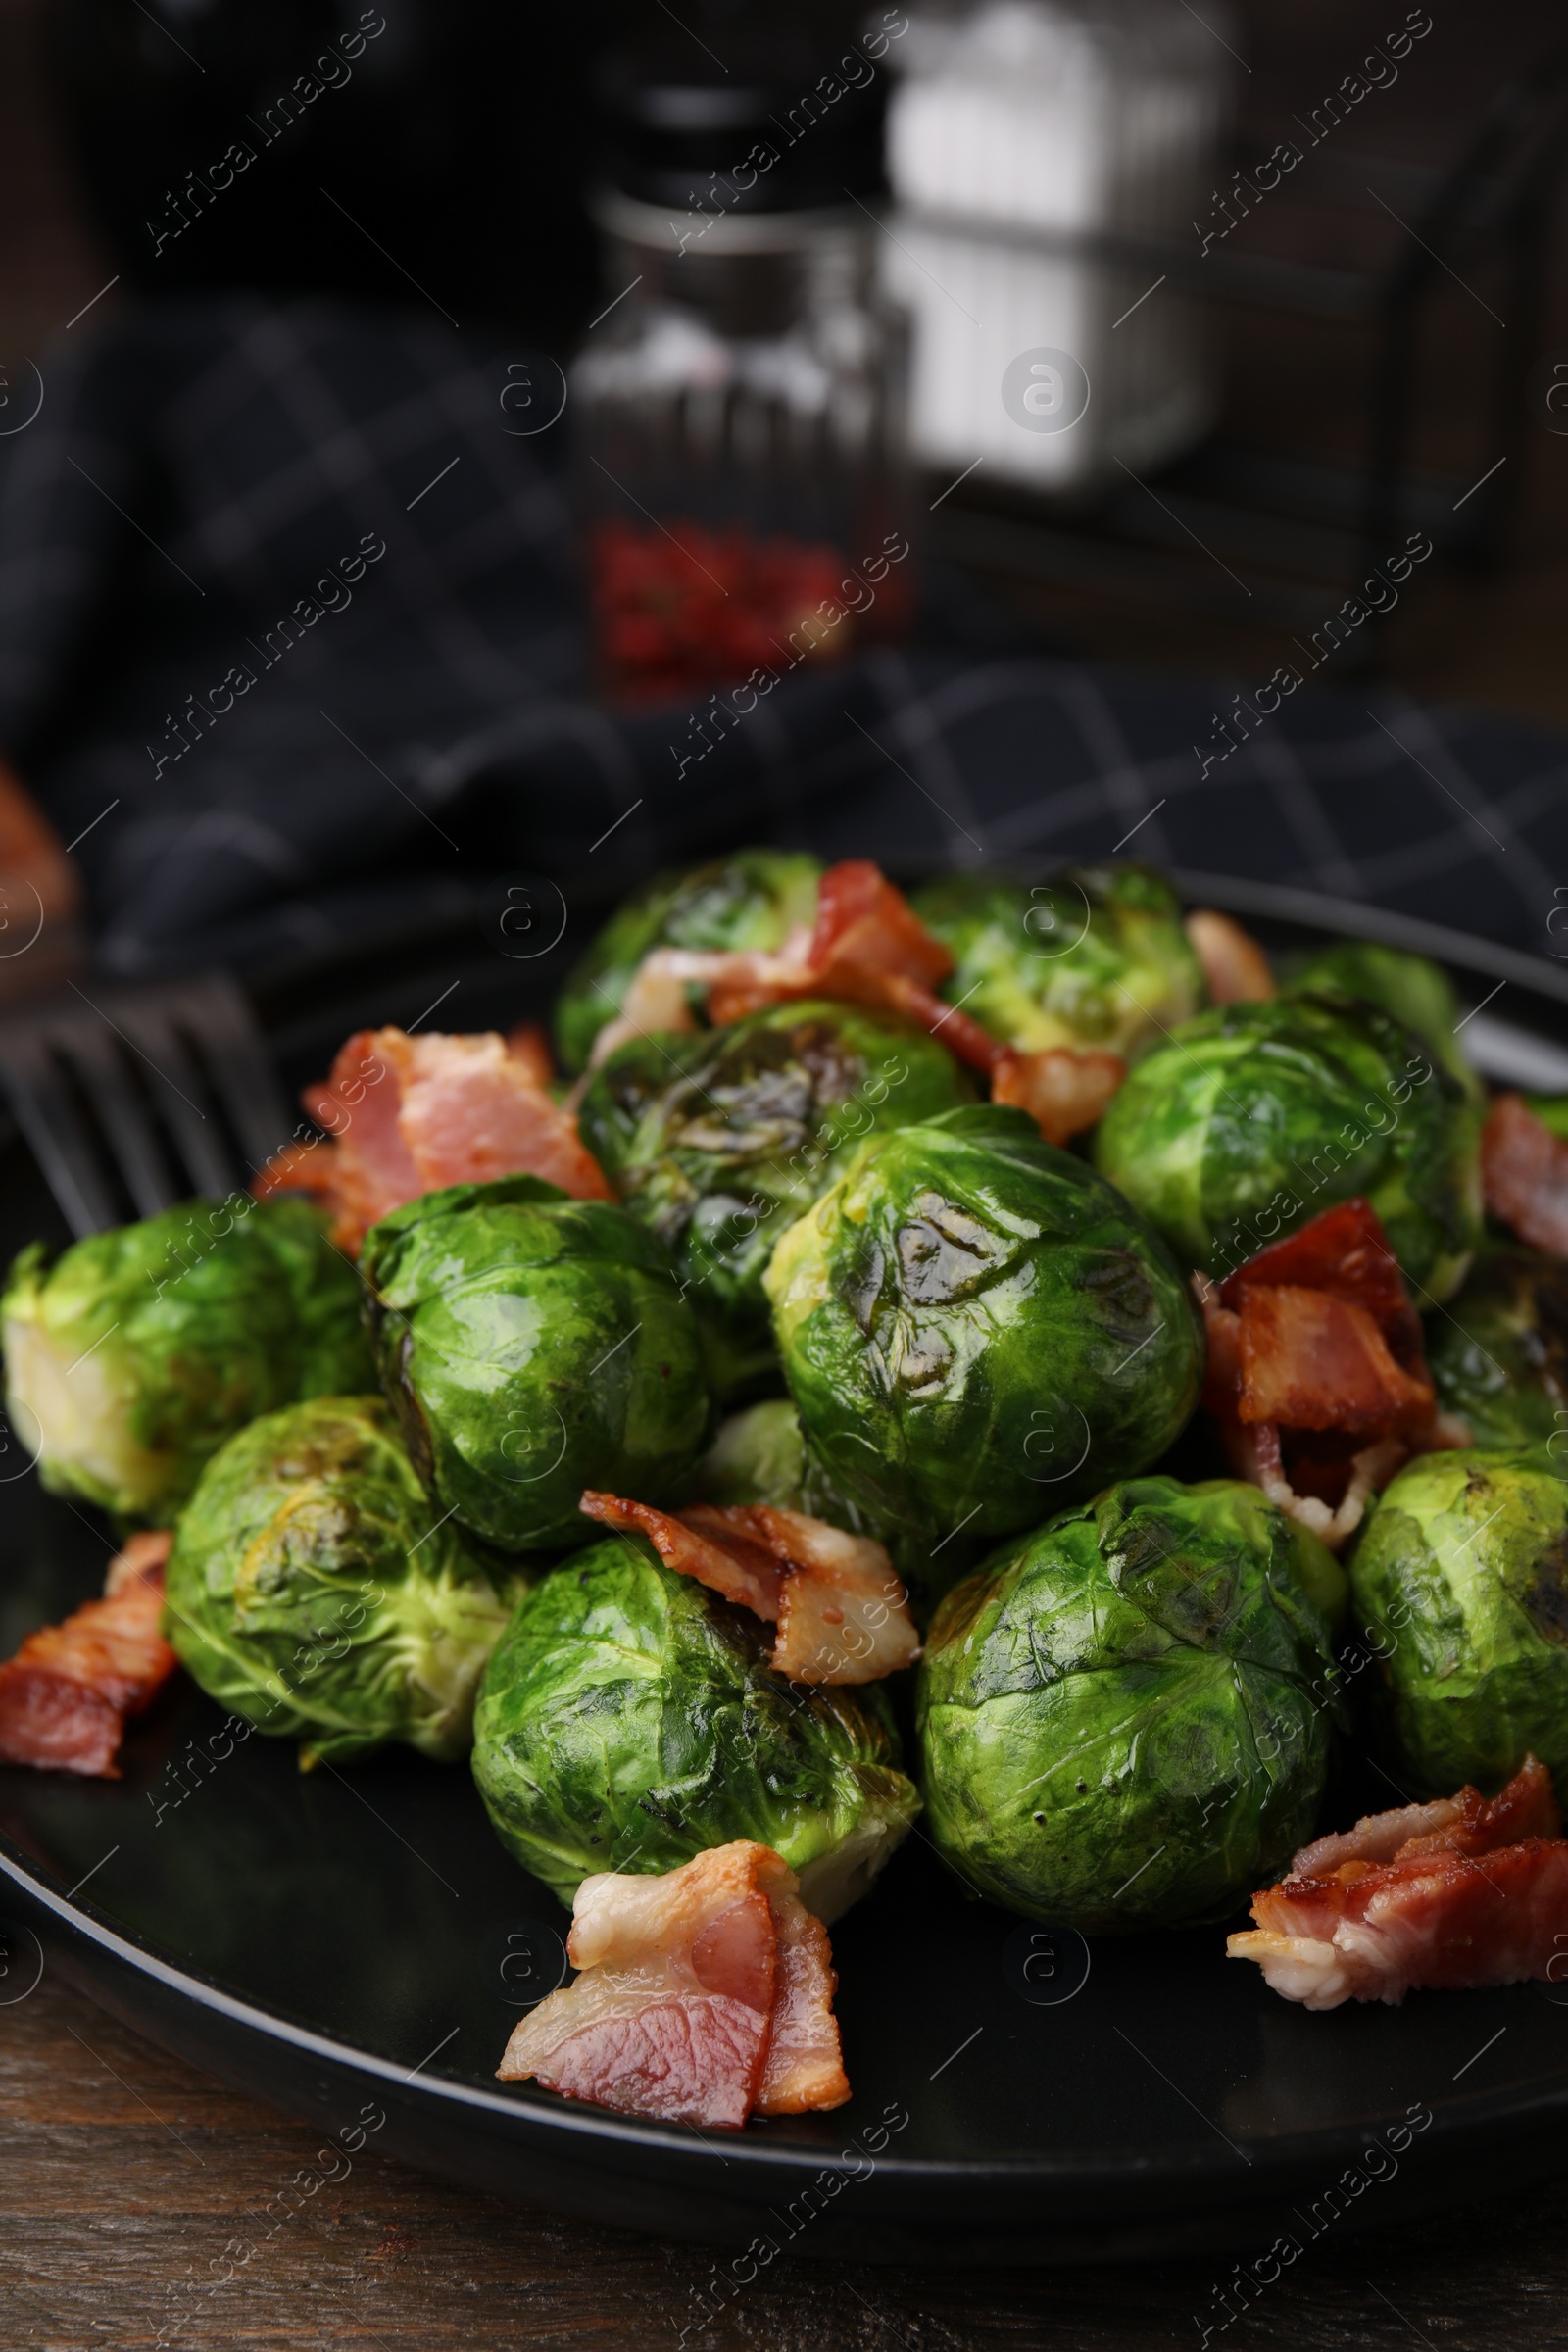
point(1498, 1353)
point(1414, 990)
point(1095, 958)
point(533, 1345)
point(628, 1719)
point(716, 1142)
point(1253, 1119)
point(975, 1327)
point(311, 1591)
point(1460, 1581)
point(131, 1356)
point(1125, 1717)
point(753, 899)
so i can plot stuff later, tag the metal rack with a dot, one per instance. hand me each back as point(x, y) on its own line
point(1317, 525)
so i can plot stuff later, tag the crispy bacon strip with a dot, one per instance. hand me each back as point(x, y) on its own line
point(412, 1114)
point(1524, 1172)
point(1467, 1824)
point(1235, 968)
point(1316, 1337)
point(1314, 1361)
point(1064, 1092)
point(1477, 1896)
point(842, 1612)
point(65, 1696)
point(706, 1994)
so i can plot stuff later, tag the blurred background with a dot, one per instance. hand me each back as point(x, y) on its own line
point(662, 356)
point(466, 144)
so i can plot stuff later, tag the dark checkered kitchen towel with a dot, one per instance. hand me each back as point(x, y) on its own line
point(200, 475)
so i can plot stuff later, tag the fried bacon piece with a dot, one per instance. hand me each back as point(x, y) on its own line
point(1453, 1896)
point(65, 1696)
point(1064, 1092)
point(412, 1114)
point(1524, 1172)
point(1314, 1342)
point(842, 1614)
point(1235, 968)
point(1467, 1824)
point(868, 946)
point(706, 1996)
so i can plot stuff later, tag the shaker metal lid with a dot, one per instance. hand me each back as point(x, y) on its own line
point(769, 119)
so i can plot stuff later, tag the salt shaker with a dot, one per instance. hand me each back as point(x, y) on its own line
point(739, 408)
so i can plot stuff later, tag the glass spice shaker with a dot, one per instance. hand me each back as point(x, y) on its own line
point(739, 407)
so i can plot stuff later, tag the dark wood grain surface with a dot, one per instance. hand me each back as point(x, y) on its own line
point(131, 2187)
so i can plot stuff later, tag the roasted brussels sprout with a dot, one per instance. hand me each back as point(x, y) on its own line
point(1097, 958)
point(1498, 1353)
point(753, 899)
point(717, 1141)
point(533, 1345)
point(757, 1456)
point(313, 1591)
point(131, 1356)
point(1460, 1580)
point(1253, 1119)
point(974, 1326)
point(1125, 1717)
point(628, 1719)
point(1412, 988)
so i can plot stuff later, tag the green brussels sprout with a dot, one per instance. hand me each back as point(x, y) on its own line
point(753, 898)
point(1095, 958)
point(629, 1719)
point(973, 1326)
point(313, 1591)
point(1460, 1579)
point(1498, 1352)
point(135, 1353)
point(533, 1345)
point(1412, 988)
point(1253, 1119)
point(1125, 1717)
point(757, 1456)
point(717, 1141)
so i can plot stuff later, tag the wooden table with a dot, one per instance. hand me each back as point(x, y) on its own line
point(130, 2182)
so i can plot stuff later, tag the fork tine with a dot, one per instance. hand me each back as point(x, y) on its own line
point(122, 1115)
point(178, 1085)
point(220, 1025)
point(54, 1129)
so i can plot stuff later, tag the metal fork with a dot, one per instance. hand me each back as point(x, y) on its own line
point(148, 1093)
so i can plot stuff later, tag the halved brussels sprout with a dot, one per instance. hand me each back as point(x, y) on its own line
point(629, 1719)
point(1253, 1119)
point(974, 1326)
point(1095, 957)
point(1412, 988)
point(1125, 1718)
point(313, 1591)
point(1460, 1580)
point(1498, 1352)
point(717, 1141)
point(752, 899)
point(533, 1345)
point(131, 1356)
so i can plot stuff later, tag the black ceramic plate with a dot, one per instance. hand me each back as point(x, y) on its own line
point(357, 1947)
